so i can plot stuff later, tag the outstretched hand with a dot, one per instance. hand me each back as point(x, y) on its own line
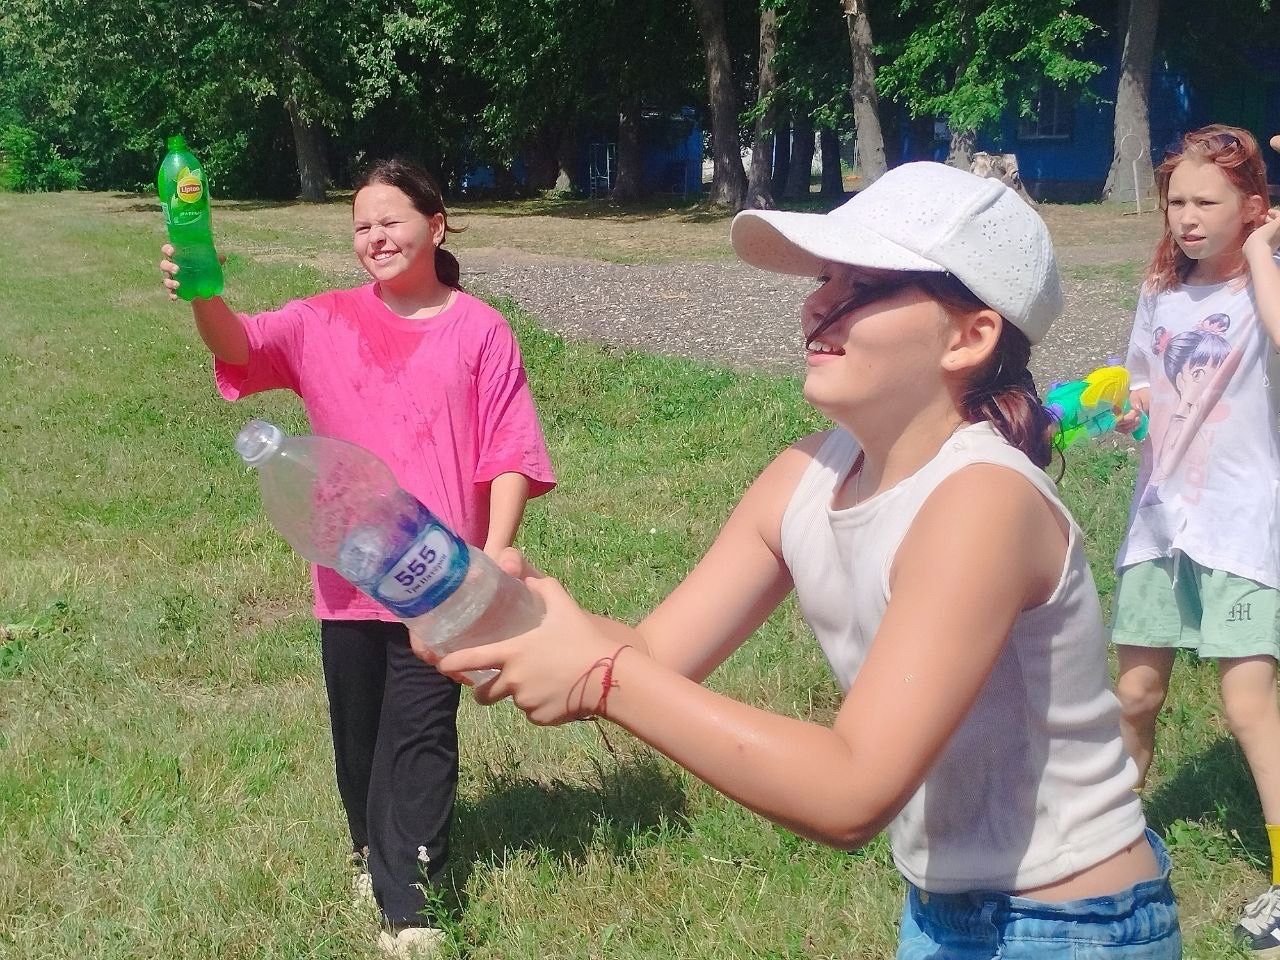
point(169, 269)
point(511, 562)
point(554, 672)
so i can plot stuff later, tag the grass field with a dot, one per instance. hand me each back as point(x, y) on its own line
point(165, 772)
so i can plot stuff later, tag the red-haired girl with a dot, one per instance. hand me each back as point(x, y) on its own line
point(1200, 565)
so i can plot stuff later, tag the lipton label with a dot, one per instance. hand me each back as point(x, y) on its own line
point(190, 186)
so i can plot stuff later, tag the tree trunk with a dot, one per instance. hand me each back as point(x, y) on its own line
point(629, 183)
point(866, 103)
point(567, 159)
point(309, 146)
point(542, 157)
point(504, 181)
point(781, 156)
point(728, 180)
point(832, 176)
point(760, 178)
point(960, 153)
point(801, 159)
point(1132, 131)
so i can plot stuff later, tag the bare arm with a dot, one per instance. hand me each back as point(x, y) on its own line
point(732, 590)
point(945, 626)
point(508, 495)
point(219, 327)
point(1260, 250)
point(738, 582)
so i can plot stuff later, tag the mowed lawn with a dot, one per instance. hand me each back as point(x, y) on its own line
point(166, 785)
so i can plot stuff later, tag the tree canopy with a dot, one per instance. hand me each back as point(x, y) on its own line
point(284, 97)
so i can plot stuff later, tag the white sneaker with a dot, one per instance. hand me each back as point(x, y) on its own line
point(411, 943)
point(1259, 928)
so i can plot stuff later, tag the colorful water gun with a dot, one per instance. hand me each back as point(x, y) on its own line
point(1089, 407)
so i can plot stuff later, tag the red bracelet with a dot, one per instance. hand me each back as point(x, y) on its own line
point(607, 682)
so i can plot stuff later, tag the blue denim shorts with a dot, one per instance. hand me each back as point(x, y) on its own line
point(1139, 924)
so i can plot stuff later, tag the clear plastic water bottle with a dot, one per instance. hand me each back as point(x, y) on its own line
point(340, 506)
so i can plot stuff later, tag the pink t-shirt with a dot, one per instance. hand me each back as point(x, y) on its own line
point(444, 401)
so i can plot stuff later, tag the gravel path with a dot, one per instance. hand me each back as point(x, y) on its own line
point(727, 313)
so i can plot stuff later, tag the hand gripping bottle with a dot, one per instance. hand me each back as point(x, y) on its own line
point(184, 194)
point(339, 506)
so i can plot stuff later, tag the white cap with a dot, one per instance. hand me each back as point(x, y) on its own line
point(927, 217)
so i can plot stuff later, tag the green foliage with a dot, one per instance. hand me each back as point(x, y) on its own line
point(812, 62)
point(452, 82)
point(29, 162)
point(107, 82)
point(552, 67)
point(971, 60)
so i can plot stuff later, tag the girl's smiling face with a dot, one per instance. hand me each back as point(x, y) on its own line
point(870, 335)
point(394, 241)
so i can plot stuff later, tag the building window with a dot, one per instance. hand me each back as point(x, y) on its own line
point(1055, 111)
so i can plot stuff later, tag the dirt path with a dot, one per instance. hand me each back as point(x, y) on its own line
point(665, 280)
point(724, 312)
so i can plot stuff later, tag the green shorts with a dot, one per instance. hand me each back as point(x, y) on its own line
point(1176, 602)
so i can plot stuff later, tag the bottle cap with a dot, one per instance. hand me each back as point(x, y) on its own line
point(258, 440)
point(177, 142)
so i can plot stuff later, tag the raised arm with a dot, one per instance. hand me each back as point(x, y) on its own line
point(220, 329)
point(1260, 253)
point(985, 547)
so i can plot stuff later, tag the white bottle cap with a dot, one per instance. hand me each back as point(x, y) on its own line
point(258, 440)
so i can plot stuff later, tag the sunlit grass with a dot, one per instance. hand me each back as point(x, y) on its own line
point(165, 772)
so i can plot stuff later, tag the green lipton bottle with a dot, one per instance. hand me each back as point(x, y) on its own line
point(184, 195)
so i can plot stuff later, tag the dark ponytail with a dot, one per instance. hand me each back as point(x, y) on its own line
point(1003, 393)
point(1006, 397)
point(424, 193)
point(447, 269)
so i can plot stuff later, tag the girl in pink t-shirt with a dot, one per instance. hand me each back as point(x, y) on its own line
point(431, 380)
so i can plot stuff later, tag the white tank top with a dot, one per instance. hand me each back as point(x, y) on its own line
point(1035, 785)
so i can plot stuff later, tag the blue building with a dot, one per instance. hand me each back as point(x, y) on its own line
point(671, 144)
point(1064, 153)
point(671, 147)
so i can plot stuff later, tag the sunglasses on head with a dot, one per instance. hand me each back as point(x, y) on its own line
point(1217, 141)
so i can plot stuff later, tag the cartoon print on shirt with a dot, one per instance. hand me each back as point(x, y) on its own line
point(1195, 363)
point(1218, 323)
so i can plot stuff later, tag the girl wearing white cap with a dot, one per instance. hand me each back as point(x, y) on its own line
point(945, 581)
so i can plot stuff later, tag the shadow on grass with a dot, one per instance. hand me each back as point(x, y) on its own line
point(690, 211)
point(146, 203)
point(563, 821)
point(684, 211)
point(698, 211)
point(1212, 790)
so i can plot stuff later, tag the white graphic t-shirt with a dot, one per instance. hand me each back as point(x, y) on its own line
point(1210, 469)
